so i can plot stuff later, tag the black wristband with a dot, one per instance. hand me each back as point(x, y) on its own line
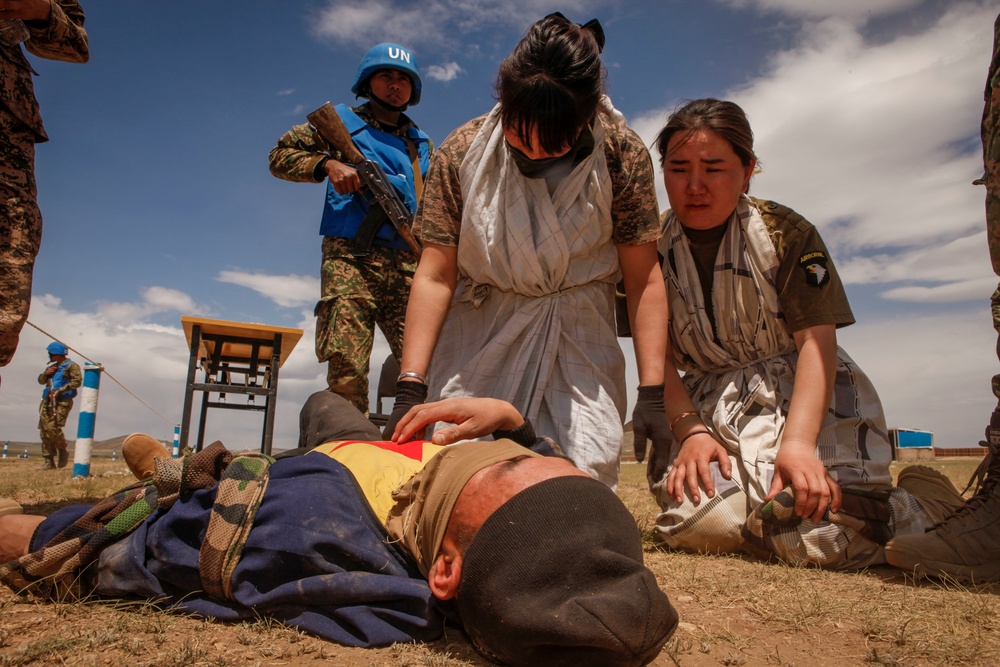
point(411, 392)
point(319, 171)
point(523, 435)
point(650, 392)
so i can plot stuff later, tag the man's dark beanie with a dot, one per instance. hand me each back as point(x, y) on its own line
point(555, 577)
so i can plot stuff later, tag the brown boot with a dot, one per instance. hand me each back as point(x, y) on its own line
point(966, 545)
point(48, 463)
point(8, 506)
point(63, 458)
point(139, 451)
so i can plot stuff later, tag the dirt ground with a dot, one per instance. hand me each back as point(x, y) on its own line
point(733, 610)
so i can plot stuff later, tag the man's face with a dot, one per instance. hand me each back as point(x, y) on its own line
point(391, 86)
point(491, 487)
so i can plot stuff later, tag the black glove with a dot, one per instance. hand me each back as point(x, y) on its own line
point(649, 421)
point(408, 394)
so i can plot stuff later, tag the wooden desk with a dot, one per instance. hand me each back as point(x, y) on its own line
point(251, 352)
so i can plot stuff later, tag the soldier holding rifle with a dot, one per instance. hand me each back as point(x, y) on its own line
point(368, 255)
point(61, 377)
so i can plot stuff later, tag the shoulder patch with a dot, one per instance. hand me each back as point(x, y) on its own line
point(814, 265)
point(775, 214)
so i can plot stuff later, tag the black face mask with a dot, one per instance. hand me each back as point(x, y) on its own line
point(552, 166)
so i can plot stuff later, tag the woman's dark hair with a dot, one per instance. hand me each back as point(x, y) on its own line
point(551, 82)
point(726, 119)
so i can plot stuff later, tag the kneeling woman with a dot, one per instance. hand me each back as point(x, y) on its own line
point(769, 408)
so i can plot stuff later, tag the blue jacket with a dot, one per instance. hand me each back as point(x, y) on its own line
point(342, 214)
point(58, 382)
point(317, 559)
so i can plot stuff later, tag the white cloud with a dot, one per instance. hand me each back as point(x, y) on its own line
point(151, 361)
point(875, 144)
point(288, 291)
point(818, 9)
point(154, 300)
point(932, 372)
point(979, 289)
point(960, 260)
point(286, 91)
point(437, 22)
point(446, 72)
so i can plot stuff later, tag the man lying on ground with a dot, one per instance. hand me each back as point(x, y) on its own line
point(370, 543)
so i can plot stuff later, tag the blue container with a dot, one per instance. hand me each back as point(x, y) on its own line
point(907, 438)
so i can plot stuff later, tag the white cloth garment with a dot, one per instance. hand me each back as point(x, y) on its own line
point(532, 319)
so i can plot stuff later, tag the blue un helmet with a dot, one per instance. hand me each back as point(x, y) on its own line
point(56, 348)
point(387, 56)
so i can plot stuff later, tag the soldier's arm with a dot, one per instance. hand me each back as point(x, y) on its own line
point(74, 377)
point(61, 36)
point(298, 156)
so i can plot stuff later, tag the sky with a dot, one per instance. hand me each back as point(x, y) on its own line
point(157, 200)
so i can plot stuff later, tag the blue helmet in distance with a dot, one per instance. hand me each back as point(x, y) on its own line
point(387, 56)
point(56, 348)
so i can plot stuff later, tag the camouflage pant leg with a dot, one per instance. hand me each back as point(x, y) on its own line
point(50, 425)
point(991, 150)
point(392, 294)
point(20, 230)
point(357, 294)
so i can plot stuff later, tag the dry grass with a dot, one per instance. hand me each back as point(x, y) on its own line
point(734, 611)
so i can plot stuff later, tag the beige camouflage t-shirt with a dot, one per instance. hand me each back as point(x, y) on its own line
point(634, 210)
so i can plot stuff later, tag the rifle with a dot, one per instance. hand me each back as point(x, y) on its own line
point(51, 395)
point(330, 126)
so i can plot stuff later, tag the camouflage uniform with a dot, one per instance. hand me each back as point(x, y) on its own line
point(991, 156)
point(356, 292)
point(55, 408)
point(61, 38)
point(991, 178)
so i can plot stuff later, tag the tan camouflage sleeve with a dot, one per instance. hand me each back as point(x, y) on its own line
point(634, 209)
point(74, 377)
point(297, 155)
point(439, 216)
point(62, 37)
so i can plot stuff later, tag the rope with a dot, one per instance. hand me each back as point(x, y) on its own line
point(104, 370)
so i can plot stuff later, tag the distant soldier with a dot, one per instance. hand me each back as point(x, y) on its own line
point(51, 30)
point(367, 267)
point(61, 378)
point(967, 545)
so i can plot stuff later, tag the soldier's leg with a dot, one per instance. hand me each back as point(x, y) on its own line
point(61, 414)
point(392, 296)
point(966, 546)
point(20, 230)
point(46, 429)
point(345, 321)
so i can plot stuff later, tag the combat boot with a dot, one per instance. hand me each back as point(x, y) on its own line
point(139, 451)
point(966, 545)
point(48, 463)
point(63, 458)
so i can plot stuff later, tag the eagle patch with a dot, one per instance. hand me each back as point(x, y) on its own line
point(814, 264)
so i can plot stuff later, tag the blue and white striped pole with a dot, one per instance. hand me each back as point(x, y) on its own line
point(177, 441)
point(5, 443)
point(88, 417)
